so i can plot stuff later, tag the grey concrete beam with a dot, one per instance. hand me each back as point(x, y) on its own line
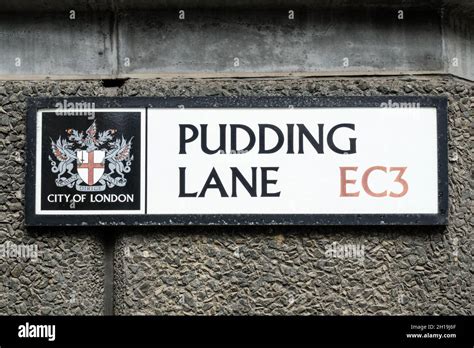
point(36, 45)
point(458, 34)
point(234, 43)
point(266, 42)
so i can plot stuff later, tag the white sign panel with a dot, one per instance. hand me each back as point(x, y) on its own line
point(292, 161)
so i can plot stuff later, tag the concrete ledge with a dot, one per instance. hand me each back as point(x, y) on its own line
point(267, 41)
point(52, 44)
point(236, 43)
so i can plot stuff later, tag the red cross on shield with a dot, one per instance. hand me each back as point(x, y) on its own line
point(90, 165)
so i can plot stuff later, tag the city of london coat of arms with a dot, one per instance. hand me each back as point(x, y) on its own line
point(91, 161)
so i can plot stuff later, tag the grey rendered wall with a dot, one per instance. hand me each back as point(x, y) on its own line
point(285, 270)
point(240, 270)
point(66, 273)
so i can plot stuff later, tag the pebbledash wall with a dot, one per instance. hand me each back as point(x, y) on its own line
point(247, 269)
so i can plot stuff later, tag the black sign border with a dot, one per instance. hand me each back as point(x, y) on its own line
point(441, 218)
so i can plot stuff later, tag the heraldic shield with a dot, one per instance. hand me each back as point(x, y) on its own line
point(90, 165)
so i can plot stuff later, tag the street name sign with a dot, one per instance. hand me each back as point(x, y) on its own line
point(237, 160)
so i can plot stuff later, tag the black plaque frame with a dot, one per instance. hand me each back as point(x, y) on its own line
point(440, 103)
